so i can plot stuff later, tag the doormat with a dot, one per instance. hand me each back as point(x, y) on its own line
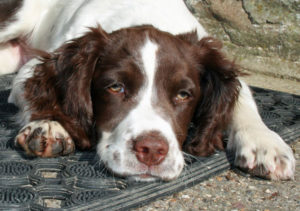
point(81, 182)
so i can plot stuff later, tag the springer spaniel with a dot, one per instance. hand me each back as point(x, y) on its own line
point(132, 86)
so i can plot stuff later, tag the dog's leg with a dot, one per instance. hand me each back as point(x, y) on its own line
point(17, 93)
point(45, 138)
point(258, 149)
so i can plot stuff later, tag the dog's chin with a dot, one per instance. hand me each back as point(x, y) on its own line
point(143, 178)
point(137, 177)
point(148, 178)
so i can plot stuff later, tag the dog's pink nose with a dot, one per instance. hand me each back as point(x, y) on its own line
point(151, 150)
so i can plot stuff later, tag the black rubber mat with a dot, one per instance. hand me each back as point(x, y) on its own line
point(80, 182)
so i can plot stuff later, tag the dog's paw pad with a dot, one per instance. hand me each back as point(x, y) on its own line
point(45, 139)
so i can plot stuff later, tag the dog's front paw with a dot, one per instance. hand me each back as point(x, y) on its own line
point(263, 153)
point(45, 139)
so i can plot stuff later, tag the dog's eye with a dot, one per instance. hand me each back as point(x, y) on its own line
point(116, 88)
point(182, 96)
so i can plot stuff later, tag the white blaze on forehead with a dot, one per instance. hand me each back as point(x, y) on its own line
point(145, 117)
point(148, 54)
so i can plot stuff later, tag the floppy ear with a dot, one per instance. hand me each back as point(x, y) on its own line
point(60, 87)
point(219, 87)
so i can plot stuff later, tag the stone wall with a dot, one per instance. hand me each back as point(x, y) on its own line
point(263, 36)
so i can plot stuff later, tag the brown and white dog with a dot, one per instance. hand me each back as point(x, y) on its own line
point(132, 86)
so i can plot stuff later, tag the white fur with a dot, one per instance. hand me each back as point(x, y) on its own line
point(31, 19)
point(10, 58)
point(49, 23)
point(17, 93)
point(251, 139)
point(142, 119)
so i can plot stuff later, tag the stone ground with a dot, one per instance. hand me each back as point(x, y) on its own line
point(273, 83)
point(232, 190)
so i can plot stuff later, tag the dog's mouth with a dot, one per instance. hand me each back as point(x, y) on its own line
point(144, 178)
point(143, 173)
point(148, 177)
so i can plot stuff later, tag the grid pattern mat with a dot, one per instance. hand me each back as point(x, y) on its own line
point(80, 182)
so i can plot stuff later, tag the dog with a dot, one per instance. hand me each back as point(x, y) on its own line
point(130, 77)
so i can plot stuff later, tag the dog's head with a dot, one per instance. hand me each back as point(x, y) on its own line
point(140, 88)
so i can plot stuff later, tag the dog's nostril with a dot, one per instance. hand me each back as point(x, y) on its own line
point(151, 150)
point(162, 152)
point(145, 150)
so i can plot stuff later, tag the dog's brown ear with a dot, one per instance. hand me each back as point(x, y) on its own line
point(60, 87)
point(219, 92)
